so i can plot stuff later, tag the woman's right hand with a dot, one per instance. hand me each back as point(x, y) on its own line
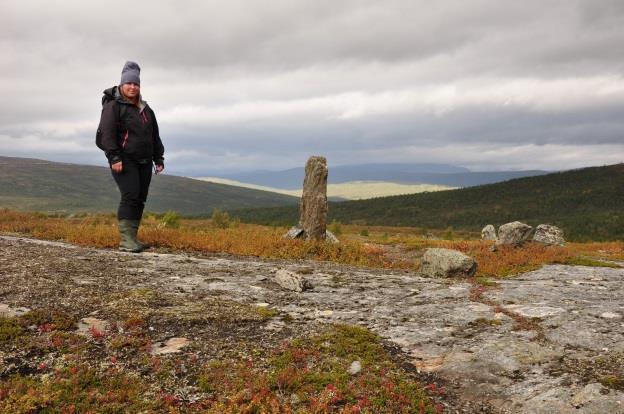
point(117, 167)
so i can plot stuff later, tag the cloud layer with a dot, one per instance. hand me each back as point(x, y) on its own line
point(243, 85)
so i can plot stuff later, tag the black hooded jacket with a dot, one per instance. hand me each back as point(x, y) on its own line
point(131, 133)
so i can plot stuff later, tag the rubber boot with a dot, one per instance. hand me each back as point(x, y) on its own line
point(128, 242)
point(135, 230)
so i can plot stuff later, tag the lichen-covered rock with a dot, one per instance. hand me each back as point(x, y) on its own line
point(329, 236)
point(297, 232)
point(313, 218)
point(294, 232)
point(447, 263)
point(514, 233)
point(291, 280)
point(488, 233)
point(547, 234)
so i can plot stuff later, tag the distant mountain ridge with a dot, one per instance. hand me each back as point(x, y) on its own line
point(39, 185)
point(427, 173)
point(587, 203)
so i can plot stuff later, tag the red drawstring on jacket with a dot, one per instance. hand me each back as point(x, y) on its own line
point(125, 140)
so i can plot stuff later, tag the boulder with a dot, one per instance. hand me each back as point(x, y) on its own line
point(440, 263)
point(547, 234)
point(291, 280)
point(488, 233)
point(513, 234)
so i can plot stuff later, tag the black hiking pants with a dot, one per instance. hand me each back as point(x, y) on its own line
point(133, 182)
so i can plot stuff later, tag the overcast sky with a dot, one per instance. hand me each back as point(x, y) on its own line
point(264, 84)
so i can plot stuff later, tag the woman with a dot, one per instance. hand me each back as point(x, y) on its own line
point(130, 139)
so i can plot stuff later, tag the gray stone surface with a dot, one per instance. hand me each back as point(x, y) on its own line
point(547, 234)
point(476, 348)
point(514, 233)
point(488, 233)
point(447, 263)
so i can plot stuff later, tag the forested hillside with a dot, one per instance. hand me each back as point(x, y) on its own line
point(587, 203)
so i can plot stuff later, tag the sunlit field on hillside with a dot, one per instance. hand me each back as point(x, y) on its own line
point(352, 190)
point(375, 246)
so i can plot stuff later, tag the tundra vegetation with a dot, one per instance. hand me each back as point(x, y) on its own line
point(114, 369)
point(371, 246)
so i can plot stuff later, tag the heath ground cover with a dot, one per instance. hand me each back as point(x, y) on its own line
point(384, 247)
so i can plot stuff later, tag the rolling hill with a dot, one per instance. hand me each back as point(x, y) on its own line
point(587, 203)
point(38, 185)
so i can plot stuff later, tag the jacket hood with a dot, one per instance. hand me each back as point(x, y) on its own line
point(114, 93)
point(110, 94)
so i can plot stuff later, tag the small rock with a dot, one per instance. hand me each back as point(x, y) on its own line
point(172, 345)
point(447, 263)
point(547, 234)
point(610, 315)
point(294, 233)
point(488, 233)
point(294, 400)
point(534, 311)
point(513, 234)
point(291, 280)
point(329, 236)
point(355, 368)
point(588, 394)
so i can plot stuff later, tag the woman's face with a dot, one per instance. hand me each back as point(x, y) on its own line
point(131, 90)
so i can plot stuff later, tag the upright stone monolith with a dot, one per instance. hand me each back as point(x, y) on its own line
point(313, 210)
point(313, 207)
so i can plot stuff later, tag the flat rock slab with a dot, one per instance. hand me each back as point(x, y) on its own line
point(8, 311)
point(89, 326)
point(476, 348)
point(170, 346)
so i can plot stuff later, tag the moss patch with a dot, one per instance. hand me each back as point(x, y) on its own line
point(607, 369)
point(10, 329)
point(588, 261)
point(312, 375)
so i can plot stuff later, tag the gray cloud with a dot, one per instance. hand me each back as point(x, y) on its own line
point(242, 85)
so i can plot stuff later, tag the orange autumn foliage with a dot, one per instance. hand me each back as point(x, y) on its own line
point(261, 241)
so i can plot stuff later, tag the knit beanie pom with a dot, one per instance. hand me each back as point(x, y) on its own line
point(130, 73)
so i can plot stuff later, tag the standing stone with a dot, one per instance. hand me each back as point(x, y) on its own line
point(513, 234)
point(313, 209)
point(447, 263)
point(488, 233)
point(547, 234)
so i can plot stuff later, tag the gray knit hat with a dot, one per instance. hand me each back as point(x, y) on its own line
point(130, 73)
